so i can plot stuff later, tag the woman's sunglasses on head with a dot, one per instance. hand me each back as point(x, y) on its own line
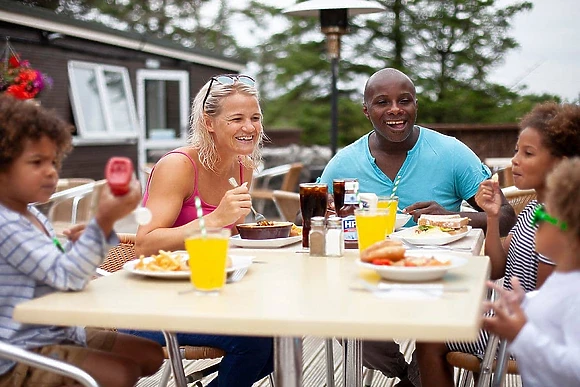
point(229, 79)
point(540, 215)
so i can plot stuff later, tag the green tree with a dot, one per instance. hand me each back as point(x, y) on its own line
point(181, 21)
point(447, 47)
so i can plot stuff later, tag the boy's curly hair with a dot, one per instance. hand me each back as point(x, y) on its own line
point(563, 186)
point(559, 126)
point(20, 120)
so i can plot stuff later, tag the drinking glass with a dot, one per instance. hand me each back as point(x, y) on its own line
point(207, 258)
point(338, 193)
point(371, 226)
point(391, 203)
point(313, 202)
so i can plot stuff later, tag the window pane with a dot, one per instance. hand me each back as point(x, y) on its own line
point(87, 90)
point(118, 102)
point(162, 109)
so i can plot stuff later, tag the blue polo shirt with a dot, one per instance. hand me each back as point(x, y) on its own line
point(438, 168)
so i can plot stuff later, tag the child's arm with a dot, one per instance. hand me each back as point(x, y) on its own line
point(34, 254)
point(540, 355)
point(546, 360)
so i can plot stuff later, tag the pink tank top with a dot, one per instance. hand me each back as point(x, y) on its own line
point(188, 211)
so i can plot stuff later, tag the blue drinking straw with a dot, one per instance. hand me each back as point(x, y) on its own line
point(200, 216)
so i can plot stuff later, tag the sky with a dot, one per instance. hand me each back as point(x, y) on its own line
point(548, 59)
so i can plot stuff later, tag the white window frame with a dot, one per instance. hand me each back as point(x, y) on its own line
point(146, 144)
point(109, 131)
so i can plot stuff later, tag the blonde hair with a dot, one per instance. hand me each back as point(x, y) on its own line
point(563, 185)
point(199, 136)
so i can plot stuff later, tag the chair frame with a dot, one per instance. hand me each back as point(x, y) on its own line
point(287, 203)
point(20, 355)
point(470, 363)
point(291, 173)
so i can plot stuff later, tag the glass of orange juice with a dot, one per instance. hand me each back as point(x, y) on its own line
point(207, 252)
point(371, 225)
point(391, 203)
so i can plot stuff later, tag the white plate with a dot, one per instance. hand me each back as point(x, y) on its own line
point(417, 274)
point(264, 243)
point(238, 262)
point(409, 235)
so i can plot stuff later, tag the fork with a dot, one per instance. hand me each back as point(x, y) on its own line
point(257, 216)
point(237, 275)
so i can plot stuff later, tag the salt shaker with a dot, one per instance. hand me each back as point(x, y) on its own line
point(334, 237)
point(317, 236)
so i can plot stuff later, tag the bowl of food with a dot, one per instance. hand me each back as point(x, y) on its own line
point(402, 219)
point(264, 230)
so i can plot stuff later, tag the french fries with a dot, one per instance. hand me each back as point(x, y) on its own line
point(164, 261)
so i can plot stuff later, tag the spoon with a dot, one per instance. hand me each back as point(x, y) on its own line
point(257, 216)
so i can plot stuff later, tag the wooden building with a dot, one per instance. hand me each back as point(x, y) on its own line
point(127, 94)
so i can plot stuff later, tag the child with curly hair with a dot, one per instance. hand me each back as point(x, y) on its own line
point(33, 142)
point(543, 327)
point(550, 133)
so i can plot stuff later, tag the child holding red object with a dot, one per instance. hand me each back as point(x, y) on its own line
point(33, 142)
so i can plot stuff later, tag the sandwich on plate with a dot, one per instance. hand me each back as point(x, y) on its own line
point(448, 224)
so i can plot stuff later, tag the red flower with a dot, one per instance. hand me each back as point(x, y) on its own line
point(14, 61)
point(19, 79)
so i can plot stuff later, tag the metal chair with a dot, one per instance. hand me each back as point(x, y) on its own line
point(287, 204)
point(20, 355)
point(261, 188)
point(73, 204)
point(114, 261)
point(470, 365)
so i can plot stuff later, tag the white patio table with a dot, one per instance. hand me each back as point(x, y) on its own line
point(286, 294)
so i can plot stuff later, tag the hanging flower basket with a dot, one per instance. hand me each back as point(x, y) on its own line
point(18, 78)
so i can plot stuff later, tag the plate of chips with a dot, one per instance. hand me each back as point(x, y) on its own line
point(166, 264)
point(174, 265)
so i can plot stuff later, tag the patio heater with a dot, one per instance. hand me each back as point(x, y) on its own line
point(334, 23)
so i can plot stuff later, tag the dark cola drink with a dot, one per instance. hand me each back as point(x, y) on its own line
point(313, 202)
point(338, 193)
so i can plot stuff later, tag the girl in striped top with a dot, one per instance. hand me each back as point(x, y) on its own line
point(550, 133)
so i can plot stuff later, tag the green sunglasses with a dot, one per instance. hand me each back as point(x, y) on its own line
point(540, 215)
point(229, 79)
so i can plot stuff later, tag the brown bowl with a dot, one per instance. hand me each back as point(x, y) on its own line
point(253, 231)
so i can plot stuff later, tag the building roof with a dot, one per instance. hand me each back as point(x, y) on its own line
point(44, 19)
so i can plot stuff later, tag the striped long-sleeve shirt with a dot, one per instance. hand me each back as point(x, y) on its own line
point(31, 266)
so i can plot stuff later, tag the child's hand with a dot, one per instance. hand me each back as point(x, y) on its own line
point(111, 207)
point(488, 197)
point(509, 317)
point(73, 233)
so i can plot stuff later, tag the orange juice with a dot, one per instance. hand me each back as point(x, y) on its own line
point(207, 259)
point(371, 226)
point(391, 204)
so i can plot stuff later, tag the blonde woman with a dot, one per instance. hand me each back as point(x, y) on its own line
point(224, 141)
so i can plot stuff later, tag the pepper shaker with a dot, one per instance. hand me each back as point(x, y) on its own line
point(317, 237)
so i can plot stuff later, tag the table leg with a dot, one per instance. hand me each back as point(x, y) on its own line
point(352, 359)
point(175, 359)
point(329, 349)
point(288, 361)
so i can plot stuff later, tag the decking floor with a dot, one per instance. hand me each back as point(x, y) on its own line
point(314, 362)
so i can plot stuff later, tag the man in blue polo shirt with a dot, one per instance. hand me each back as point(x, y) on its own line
point(435, 172)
